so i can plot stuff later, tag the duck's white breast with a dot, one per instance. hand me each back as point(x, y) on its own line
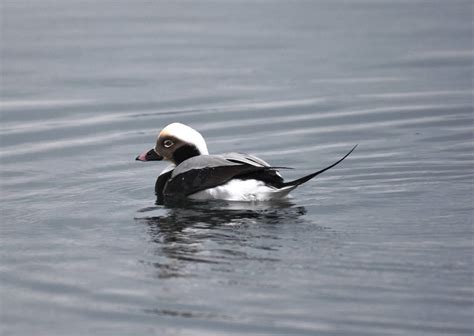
point(242, 190)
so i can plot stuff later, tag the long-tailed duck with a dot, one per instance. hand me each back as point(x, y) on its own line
point(196, 174)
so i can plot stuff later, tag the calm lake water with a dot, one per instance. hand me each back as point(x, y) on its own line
point(380, 245)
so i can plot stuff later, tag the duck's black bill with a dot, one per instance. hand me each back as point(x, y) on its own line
point(151, 155)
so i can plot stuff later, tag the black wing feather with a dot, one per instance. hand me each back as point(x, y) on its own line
point(194, 180)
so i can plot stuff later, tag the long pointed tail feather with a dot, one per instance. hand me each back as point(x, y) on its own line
point(306, 178)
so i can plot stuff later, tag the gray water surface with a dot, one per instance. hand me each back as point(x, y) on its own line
point(379, 245)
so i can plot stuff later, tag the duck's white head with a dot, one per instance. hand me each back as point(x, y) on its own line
point(176, 142)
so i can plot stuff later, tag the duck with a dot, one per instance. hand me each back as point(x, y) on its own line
point(195, 174)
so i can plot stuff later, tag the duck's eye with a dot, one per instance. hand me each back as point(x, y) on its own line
point(168, 143)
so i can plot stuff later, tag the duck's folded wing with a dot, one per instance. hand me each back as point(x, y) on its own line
point(209, 171)
point(245, 158)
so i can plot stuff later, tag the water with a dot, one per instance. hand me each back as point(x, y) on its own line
point(381, 244)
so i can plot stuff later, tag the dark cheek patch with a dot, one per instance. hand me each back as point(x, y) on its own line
point(185, 152)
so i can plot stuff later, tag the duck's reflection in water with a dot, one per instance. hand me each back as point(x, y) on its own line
point(215, 234)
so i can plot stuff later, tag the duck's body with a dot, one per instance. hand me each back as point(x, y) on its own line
point(232, 177)
point(197, 175)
